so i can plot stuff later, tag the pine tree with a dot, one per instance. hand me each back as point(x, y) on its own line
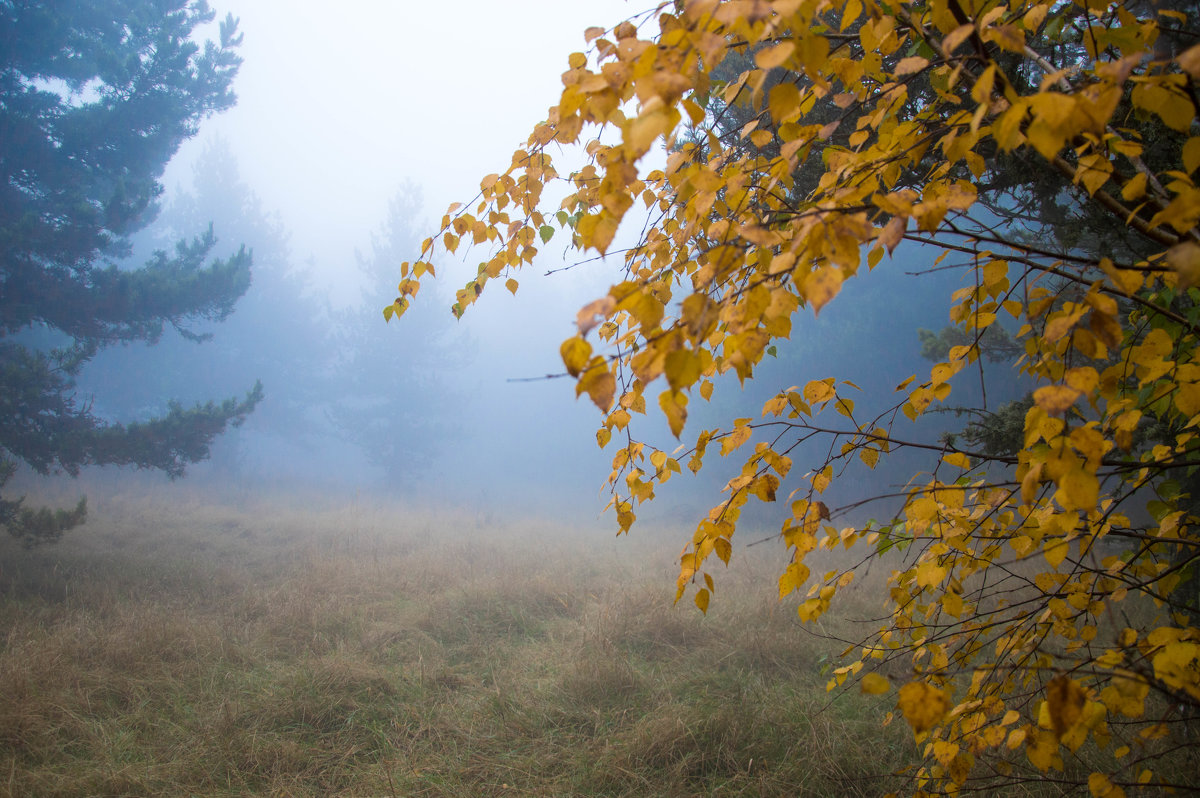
point(95, 99)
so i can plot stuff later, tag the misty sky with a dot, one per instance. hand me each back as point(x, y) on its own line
point(336, 108)
point(336, 111)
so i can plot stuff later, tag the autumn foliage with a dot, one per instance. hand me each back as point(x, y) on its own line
point(1042, 603)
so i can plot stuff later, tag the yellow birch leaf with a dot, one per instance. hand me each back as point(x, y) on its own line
point(1055, 399)
point(783, 101)
point(1034, 17)
point(1127, 281)
point(682, 368)
point(874, 684)
point(646, 127)
point(1126, 696)
point(910, 65)
point(1060, 325)
point(1082, 378)
point(1134, 188)
point(575, 354)
point(1191, 154)
point(960, 767)
point(793, 578)
point(1042, 750)
point(674, 406)
point(723, 549)
point(1078, 489)
point(597, 230)
point(930, 574)
point(1101, 786)
point(892, 233)
point(944, 751)
point(954, 39)
point(1189, 61)
point(774, 56)
point(1175, 665)
point(957, 459)
point(818, 391)
point(1009, 37)
point(869, 456)
point(811, 609)
point(1045, 138)
point(764, 487)
point(739, 435)
point(821, 286)
point(1055, 551)
point(822, 479)
point(598, 382)
point(1006, 130)
point(852, 11)
point(761, 138)
point(1187, 393)
point(982, 90)
point(1093, 171)
point(922, 705)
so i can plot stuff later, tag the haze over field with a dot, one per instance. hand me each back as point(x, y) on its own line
point(338, 115)
point(352, 133)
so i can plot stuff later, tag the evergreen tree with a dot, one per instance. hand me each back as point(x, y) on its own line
point(393, 403)
point(278, 334)
point(95, 99)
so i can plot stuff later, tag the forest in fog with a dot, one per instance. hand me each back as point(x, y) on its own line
point(886, 313)
point(425, 409)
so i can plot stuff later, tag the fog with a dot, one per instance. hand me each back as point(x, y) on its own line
point(352, 132)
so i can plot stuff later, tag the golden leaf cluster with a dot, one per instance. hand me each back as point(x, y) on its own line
point(864, 125)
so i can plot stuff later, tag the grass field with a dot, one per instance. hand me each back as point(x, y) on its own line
point(176, 647)
point(181, 645)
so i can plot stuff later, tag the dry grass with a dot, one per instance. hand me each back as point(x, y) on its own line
point(176, 647)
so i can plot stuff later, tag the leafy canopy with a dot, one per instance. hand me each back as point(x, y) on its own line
point(1039, 597)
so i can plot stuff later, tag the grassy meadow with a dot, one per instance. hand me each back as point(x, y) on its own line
point(181, 644)
point(178, 647)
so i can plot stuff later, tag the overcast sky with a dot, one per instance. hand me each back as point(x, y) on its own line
point(337, 108)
